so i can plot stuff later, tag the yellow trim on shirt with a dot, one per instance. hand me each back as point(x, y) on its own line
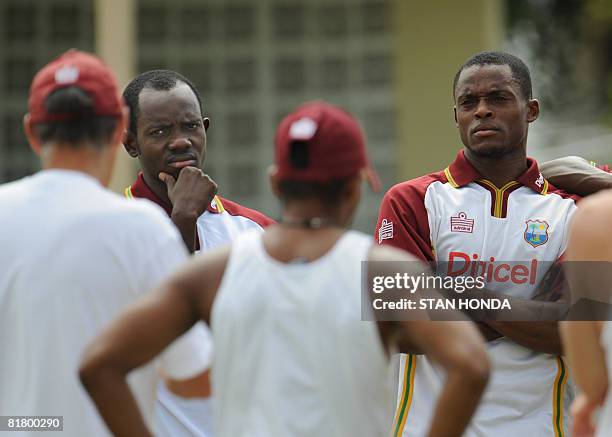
point(406, 400)
point(499, 195)
point(557, 398)
point(545, 189)
point(399, 405)
point(220, 207)
point(450, 178)
point(128, 192)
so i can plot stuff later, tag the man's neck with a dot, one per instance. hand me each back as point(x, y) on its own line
point(299, 211)
point(96, 162)
point(158, 187)
point(499, 171)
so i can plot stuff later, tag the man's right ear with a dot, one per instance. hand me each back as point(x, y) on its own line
point(274, 180)
point(131, 144)
point(31, 135)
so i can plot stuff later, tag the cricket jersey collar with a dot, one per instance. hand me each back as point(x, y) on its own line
point(460, 172)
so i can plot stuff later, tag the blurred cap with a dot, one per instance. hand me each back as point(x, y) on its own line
point(319, 142)
point(78, 69)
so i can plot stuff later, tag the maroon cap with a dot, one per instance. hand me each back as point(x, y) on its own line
point(80, 69)
point(319, 142)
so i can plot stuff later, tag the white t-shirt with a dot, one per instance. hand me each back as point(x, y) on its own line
point(292, 355)
point(73, 255)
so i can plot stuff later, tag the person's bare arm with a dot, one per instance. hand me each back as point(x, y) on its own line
point(538, 329)
point(143, 331)
point(532, 323)
point(586, 357)
point(583, 414)
point(576, 175)
point(589, 242)
point(457, 346)
point(190, 194)
point(196, 387)
point(538, 336)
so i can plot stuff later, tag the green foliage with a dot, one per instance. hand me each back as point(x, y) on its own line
point(599, 11)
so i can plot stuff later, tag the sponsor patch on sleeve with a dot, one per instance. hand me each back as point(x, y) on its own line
point(385, 232)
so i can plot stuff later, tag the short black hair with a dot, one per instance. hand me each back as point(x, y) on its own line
point(83, 126)
point(520, 71)
point(159, 80)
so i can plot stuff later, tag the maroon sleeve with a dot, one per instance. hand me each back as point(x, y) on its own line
point(402, 220)
point(234, 208)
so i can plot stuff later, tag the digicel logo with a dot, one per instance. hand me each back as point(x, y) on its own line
point(460, 263)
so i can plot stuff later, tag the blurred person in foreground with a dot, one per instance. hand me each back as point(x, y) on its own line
point(74, 254)
point(588, 343)
point(292, 355)
point(167, 134)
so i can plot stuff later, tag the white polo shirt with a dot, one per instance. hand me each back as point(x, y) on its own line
point(221, 222)
point(73, 255)
point(514, 233)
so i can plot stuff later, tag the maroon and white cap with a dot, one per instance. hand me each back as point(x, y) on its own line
point(79, 69)
point(320, 142)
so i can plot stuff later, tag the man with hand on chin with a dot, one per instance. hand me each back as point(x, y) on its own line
point(167, 133)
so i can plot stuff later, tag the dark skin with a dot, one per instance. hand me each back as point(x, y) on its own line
point(576, 175)
point(493, 117)
point(170, 143)
point(551, 302)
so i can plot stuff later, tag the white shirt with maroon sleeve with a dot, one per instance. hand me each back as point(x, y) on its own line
point(514, 234)
point(221, 222)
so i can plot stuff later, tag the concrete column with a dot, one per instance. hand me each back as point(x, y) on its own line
point(431, 40)
point(115, 42)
